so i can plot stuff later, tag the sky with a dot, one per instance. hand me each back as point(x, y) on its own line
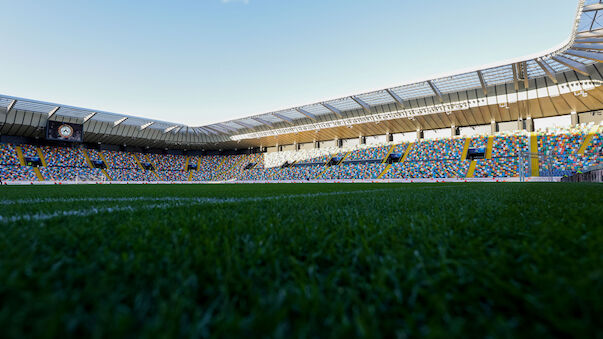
point(203, 61)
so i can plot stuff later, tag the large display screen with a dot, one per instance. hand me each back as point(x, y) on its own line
point(63, 131)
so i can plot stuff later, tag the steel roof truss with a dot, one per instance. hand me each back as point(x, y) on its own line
point(11, 105)
point(306, 113)
point(396, 97)
point(365, 106)
point(435, 90)
point(593, 7)
point(573, 64)
point(53, 111)
point(284, 118)
point(89, 116)
point(547, 69)
point(262, 121)
point(145, 126)
point(332, 109)
point(482, 81)
point(118, 122)
point(596, 56)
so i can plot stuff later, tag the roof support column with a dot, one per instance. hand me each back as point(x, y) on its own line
point(575, 119)
point(529, 124)
point(493, 127)
point(453, 130)
point(419, 134)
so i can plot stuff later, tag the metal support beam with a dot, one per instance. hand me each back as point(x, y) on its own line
point(169, 129)
point(597, 47)
point(435, 90)
point(515, 77)
point(526, 79)
point(211, 130)
point(589, 41)
point(89, 116)
point(365, 106)
point(145, 126)
point(205, 131)
point(306, 113)
point(596, 56)
point(550, 72)
point(118, 122)
point(11, 105)
point(593, 7)
point(262, 121)
point(243, 124)
point(575, 65)
point(226, 127)
point(219, 128)
point(284, 118)
point(396, 97)
point(482, 81)
point(332, 109)
point(53, 111)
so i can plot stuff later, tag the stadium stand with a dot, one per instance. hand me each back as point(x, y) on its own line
point(561, 151)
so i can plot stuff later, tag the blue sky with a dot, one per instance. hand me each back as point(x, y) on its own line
point(205, 61)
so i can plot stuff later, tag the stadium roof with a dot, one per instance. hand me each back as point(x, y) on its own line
point(563, 79)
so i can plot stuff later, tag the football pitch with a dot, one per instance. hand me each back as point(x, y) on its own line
point(302, 260)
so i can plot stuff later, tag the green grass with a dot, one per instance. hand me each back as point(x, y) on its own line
point(504, 260)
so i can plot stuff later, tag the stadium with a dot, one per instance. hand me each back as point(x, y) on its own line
point(460, 205)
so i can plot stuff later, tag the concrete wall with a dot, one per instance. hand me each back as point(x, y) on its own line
point(375, 139)
point(437, 133)
point(474, 130)
point(560, 121)
point(594, 117)
point(405, 137)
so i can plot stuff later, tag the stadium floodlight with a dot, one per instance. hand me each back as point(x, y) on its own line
point(53, 111)
point(436, 90)
point(118, 122)
point(146, 125)
point(11, 105)
point(482, 82)
point(364, 105)
point(89, 116)
point(284, 118)
point(332, 109)
point(396, 97)
point(550, 72)
point(262, 121)
point(573, 64)
point(306, 113)
point(596, 56)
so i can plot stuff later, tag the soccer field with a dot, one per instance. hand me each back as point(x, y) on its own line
point(302, 260)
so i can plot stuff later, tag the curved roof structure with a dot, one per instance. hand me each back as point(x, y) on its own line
point(558, 81)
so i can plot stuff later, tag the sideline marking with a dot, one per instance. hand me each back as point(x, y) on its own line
point(171, 202)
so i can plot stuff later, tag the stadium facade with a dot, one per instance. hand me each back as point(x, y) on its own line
point(486, 123)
